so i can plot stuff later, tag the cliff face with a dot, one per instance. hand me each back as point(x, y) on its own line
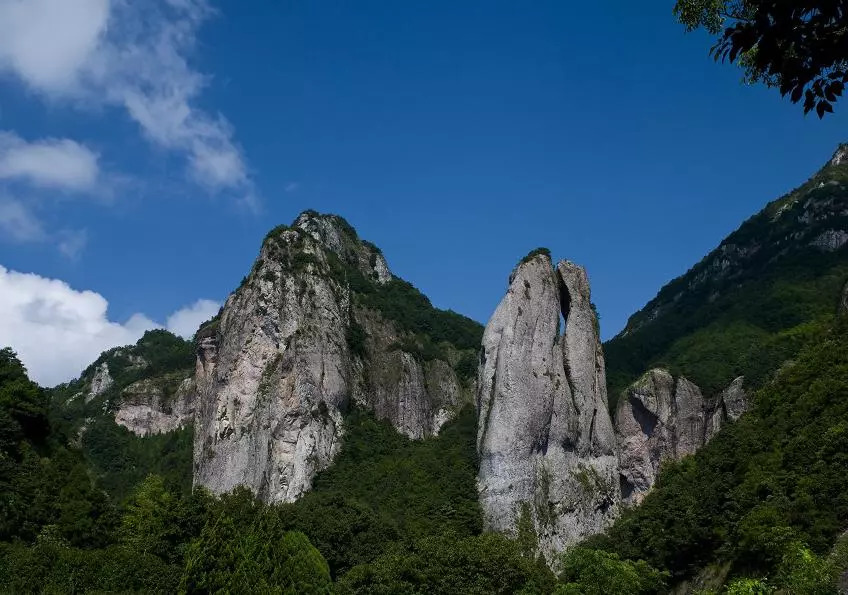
point(660, 418)
point(545, 438)
point(157, 405)
point(296, 345)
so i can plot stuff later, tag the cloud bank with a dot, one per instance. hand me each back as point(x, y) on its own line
point(57, 330)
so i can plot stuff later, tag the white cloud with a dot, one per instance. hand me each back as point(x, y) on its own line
point(186, 321)
point(46, 42)
point(18, 223)
point(133, 55)
point(57, 331)
point(55, 163)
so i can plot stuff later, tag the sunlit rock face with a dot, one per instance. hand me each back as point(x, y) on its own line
point(545, 438)
point(293, 349)
point(661, 418)
point(157, 405)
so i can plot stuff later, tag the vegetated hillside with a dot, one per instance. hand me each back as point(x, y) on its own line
point(84, 410)
point(768, 288)
point(768, 495)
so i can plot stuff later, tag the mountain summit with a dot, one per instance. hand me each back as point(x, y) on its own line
point(319, 325)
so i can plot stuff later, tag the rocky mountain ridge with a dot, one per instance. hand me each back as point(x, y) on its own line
point(321, 325)
point(146, 387)
point(749, 304)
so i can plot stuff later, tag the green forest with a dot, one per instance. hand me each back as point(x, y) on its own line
point(763, 506)
point(390, 516)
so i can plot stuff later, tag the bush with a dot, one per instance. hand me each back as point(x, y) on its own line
point(595, 572)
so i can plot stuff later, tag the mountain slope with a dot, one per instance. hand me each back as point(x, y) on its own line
point(750, 304)
point(766, 487)
point(131, 413)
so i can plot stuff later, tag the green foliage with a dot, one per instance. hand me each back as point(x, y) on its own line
point(38, 492)
point(384, 488)
point(23, 405)
point(777, 477)
point(595, 572)
point(356, 337)
point(402, 303)
point(749, 586)
point(148, 525)
point(526, 538)
point(449, 564)
point(801, 572)
point(798, 47)
point(209, 328)
point(466, 365)
point(122, 460)
point(247, 550)
point(534, 253)
point(164, 352)
point(49, 568)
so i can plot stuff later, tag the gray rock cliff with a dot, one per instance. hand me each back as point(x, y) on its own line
point(661, 418)
point(294, 347)
point(157, 405)
point(101, 381)
point(545, 438)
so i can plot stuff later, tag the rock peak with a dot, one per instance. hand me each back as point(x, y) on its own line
point(312, 233)
point(311, 221)
point(545, 437)
point(293, 348)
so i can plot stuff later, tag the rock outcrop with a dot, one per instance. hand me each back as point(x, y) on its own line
point(661, 418)
point(157, 405)
point(545, 438)
point(101, 381)
point(294, 347)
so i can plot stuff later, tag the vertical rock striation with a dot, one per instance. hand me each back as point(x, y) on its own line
point(157, 405)
point(293, 348)
point(545, 437)
point(660, 418)
point(101, 381)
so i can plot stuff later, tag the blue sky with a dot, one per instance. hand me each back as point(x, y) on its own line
point(145, 152)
